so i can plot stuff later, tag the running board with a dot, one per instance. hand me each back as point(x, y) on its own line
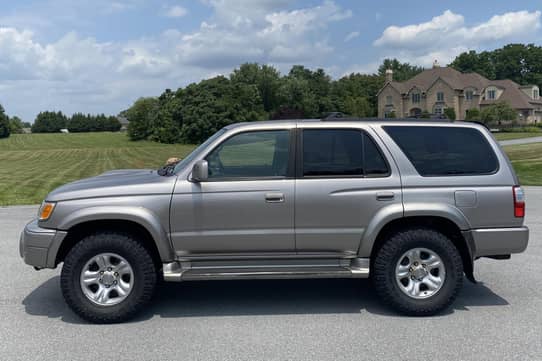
point(185, 271)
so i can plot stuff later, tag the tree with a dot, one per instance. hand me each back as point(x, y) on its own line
point(266, 79)
point(16, 125)
point(141, 117)
point(49, 122)
point(449, 113)
point(4, 124)
point(356, 86)
point(497, 112)
point(401, 71)
point(473, 114)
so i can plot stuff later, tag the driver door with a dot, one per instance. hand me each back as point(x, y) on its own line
point(246, 205)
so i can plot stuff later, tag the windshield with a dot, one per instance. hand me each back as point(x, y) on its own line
point(196, 152)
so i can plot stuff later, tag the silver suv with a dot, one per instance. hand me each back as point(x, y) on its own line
point(409, 204)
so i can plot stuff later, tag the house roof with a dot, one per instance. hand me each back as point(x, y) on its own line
point(459, 81)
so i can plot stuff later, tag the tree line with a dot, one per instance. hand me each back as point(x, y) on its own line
point(256, 92)
point(53, 122)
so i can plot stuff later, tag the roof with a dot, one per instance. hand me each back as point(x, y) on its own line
point(457, 80)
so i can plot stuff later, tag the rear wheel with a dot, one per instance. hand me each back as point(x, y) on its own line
point(418, 272)
point(108, 277)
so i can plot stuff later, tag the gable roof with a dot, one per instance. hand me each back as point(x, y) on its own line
point(457, 80)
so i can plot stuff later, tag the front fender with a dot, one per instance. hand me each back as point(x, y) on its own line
point(140, 215)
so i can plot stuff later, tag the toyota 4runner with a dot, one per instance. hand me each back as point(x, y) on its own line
point(409, 204)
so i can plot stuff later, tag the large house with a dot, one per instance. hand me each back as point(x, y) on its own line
point(436, 89)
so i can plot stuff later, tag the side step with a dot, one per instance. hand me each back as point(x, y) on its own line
point(185, 271)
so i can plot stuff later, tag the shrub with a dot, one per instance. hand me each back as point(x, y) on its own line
point(449, 113)
point(5, 130)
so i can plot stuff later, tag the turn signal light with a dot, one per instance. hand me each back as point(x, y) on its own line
point(46, 210)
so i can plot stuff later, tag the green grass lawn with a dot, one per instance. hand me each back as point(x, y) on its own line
point(527, 161)
point(508, 136)
point(31, 165)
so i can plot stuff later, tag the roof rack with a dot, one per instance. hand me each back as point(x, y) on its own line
point(345, 118)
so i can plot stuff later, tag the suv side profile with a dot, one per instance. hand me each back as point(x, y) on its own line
point(410, 204)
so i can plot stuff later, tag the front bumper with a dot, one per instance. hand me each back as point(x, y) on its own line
point(499, 241)
point(39, 246)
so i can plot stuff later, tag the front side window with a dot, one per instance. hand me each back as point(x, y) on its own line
point(469, 94)
point(341, 152)
point(389, 100)
point(415, 97)
point(251, 155)
point(445, 151)
point(440, 97)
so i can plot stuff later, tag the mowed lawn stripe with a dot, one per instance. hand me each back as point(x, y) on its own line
point(31, 165)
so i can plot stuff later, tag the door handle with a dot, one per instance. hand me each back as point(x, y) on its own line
point(385, 196)
point(274, 197)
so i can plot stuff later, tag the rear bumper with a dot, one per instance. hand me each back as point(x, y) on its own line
point(38, 246)
point(499, 241)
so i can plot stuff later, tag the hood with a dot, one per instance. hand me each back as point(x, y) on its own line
point(116, 183)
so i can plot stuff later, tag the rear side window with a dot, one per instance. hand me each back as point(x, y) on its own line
point(445, 151)
point(341, 152)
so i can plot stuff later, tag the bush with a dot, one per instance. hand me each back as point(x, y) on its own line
point(5, 130)
point(93, 123)
point(449, 113)
point(532, 129)
point(473, 114)
point(498, 112)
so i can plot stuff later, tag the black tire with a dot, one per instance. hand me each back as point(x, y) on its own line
point(387, 257)
point(124, 245)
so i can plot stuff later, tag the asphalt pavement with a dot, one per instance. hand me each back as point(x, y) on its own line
point(500, 318)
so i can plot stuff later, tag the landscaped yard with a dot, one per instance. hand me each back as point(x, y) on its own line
point(31, 165)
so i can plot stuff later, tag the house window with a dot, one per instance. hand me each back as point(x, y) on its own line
point(438, 110)
point(469, 94)
point(491, 94)
point(389, 100)
point(440, 97)
point(536, 93)
point(415, 97)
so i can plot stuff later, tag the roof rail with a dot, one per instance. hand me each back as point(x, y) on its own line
point(373, 119)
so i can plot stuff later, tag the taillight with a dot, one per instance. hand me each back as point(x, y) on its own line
point(519, 202)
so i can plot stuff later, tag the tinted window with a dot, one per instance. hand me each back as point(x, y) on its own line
point(251, 154)
point(441, 151)
point(334, 152)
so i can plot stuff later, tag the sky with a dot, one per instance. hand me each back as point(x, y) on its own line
point(99, 56)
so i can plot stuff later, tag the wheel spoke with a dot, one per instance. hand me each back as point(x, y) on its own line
point(90, 277)
point(123, 268)
point(418, 272)
point(101, 261)
point(402, 271)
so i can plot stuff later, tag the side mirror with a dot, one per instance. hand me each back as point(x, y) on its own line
point(200, 171)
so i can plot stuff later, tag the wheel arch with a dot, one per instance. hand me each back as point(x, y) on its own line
point(438, 223)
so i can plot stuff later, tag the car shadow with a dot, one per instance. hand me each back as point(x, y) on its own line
point(261, 297)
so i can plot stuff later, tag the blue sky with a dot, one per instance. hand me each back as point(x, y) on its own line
point(101, 55)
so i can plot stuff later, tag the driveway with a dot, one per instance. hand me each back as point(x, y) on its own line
point(498, 318)
point(521, 141)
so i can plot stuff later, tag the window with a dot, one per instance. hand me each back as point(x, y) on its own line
point(416, 97)
point(438, 110)
point(491, 94)
point(341, 152)
point(469, 94)
point(389, 100)
point(536, 93)
point(251, 155)
point(445, 151)
point(440, 97)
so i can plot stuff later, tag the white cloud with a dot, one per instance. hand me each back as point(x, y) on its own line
point(351, 36)
point(176, 11)
point(81, 73)
point(446, 35)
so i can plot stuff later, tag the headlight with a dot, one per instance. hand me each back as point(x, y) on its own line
point(46, 210)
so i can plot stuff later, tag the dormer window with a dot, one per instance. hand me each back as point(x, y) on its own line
point(536, 93)
point(491, 94)
point(469, 94)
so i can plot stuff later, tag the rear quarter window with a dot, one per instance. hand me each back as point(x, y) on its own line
point(445, 151)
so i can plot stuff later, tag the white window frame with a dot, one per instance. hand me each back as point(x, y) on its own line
point(440, 96)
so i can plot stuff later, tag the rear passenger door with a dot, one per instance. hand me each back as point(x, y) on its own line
point(344, 177)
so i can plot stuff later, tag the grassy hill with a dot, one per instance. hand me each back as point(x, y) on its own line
point(31, 165)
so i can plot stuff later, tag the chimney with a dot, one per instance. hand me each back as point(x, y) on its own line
point(389, 75)
point(436, 64)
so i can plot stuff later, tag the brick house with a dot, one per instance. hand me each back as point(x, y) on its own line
point(436, 89)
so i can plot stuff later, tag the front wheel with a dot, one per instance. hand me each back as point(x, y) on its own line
point(108, 277)
point(418, 272)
